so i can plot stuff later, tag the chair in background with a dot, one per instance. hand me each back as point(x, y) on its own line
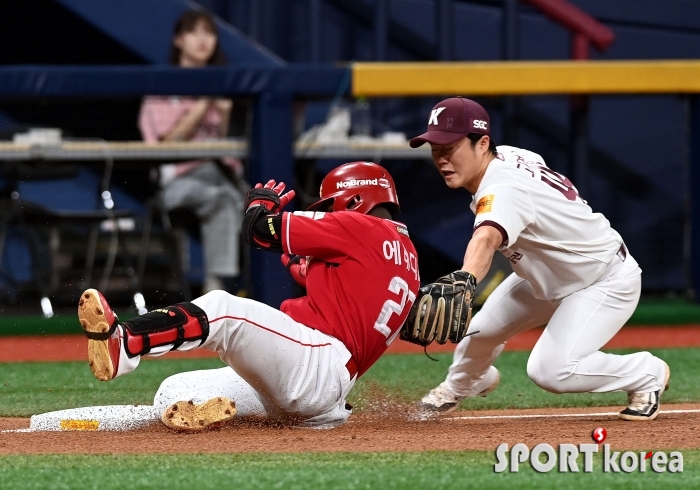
point(28, 217)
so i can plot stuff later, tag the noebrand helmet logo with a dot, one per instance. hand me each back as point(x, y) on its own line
point(345, 184)
point(384, 183)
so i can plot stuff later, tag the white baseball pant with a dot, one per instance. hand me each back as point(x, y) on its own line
point(566, 358)
point(277, 367)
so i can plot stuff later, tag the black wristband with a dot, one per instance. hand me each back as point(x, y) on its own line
point(252, 216)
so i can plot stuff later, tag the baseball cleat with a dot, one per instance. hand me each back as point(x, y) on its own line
point(186, 416)
point(105, 348)
point(443, 399)
point(645, 406)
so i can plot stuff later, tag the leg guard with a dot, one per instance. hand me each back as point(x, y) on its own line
point(172, 325)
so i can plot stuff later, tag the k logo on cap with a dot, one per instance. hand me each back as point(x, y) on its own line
point(451, 120)
point(434, 115)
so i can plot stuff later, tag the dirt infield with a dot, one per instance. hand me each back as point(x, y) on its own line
point(74, 347)
point(379, 432)
point(678, 426)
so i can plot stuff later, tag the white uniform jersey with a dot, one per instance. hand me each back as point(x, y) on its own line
point(550, 235)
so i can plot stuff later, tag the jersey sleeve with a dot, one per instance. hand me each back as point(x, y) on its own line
point(508, 209)
point(331, 237)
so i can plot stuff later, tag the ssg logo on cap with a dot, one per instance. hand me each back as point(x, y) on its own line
point(479, 124)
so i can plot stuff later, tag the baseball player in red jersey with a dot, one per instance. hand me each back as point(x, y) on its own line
point(572, 272)
point(296, 364)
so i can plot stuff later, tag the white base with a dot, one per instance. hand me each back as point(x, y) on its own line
point(109, 417)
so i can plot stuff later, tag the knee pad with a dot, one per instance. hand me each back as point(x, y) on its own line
point(173, 325)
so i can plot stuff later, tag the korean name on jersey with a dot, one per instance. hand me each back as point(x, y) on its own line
point(552, 237)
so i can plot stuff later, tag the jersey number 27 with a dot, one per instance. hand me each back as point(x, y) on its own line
point(391, 307)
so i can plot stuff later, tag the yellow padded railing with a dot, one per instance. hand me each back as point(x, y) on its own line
point(526, 78)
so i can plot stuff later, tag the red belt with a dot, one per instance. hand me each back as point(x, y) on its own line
point(351, 367)
point(622, 253)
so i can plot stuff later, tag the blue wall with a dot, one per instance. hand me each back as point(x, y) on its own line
point(640, 154)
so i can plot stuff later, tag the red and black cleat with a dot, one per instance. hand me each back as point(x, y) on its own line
point(115, 348)
point(104, 334)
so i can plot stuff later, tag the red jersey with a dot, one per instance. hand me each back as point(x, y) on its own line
point(361, 280)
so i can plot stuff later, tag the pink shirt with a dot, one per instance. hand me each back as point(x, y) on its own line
point(160, 114)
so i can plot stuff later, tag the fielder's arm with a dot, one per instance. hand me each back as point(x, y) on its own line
point(480, 249)
point(442, 310)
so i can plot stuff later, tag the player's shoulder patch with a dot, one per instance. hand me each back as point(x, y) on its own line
point(485, 204)
point(402, 229)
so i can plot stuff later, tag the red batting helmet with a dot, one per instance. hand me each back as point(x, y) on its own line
point(357, 186)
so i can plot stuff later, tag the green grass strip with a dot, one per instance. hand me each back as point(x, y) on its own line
point(30, 388)
point(64, 321)
point(671, 311)
point(37, 387)
point(392, 470)
point(38, 325)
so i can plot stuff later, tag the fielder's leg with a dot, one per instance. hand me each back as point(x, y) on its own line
point(510, 309)
point(567, 359)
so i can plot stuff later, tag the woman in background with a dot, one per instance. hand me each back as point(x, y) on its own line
point(199, 185)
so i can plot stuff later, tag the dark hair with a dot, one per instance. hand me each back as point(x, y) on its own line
point(186, 23)
point(475, 137)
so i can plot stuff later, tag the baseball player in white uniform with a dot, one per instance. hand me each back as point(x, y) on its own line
point(572, 272)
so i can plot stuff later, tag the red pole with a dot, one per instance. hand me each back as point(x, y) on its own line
point(576, 20)
point(580, 47)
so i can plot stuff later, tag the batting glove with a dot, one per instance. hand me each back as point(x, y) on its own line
point(271, 196)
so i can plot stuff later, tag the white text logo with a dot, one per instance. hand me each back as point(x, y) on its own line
point(392, 251)
point(479, 124)
point(316, 215)
point(434, 115)
point(355, 182)
point(568, 455)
